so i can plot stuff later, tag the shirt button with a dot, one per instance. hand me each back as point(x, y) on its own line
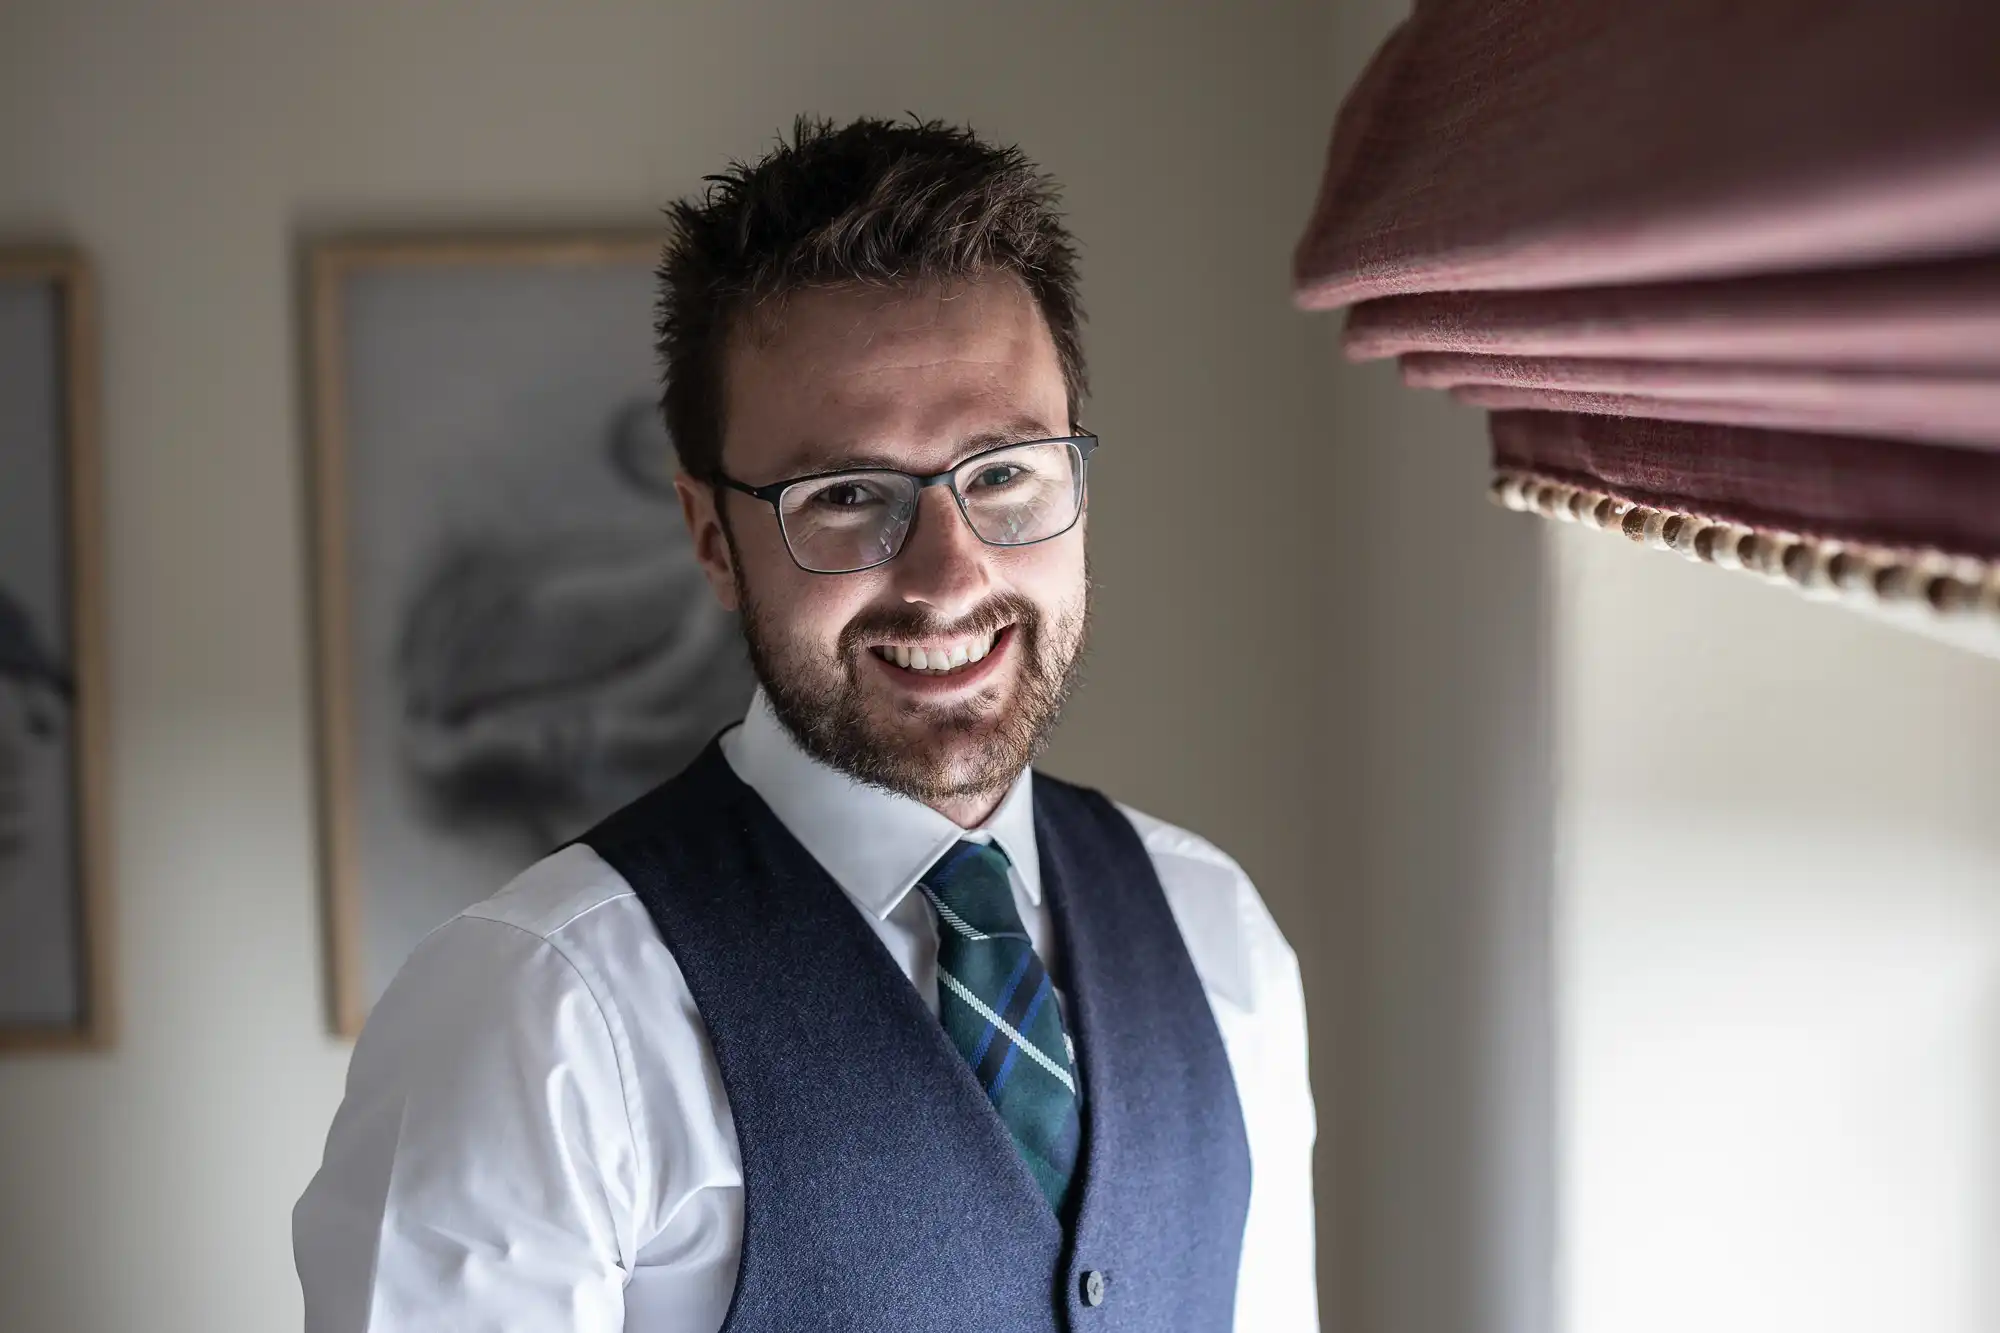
point(1093, 1288)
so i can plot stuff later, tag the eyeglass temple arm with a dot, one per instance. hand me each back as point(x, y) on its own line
point(768, 494)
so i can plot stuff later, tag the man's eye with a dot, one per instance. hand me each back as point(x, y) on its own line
point(846, 495)
point(998, 474)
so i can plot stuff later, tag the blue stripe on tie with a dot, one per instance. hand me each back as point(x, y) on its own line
point(1007, 1065)
point(1020, 970)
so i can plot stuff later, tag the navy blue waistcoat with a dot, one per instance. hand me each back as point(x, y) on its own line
point(881, 1190)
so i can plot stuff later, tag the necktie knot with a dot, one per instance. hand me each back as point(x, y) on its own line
point(970, 882)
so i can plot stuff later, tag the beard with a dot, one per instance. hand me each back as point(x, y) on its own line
point(928, 752)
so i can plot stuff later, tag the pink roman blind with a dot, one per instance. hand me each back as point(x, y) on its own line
point(1726, 272)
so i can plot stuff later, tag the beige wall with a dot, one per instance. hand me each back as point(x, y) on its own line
point(1440, 1136)
point(1438, 1145)
point(188, 147)
point(1779, 934)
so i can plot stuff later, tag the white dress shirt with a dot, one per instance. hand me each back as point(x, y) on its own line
point(535, 1135)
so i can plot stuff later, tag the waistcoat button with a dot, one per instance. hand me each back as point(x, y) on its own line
point(1093, 1288)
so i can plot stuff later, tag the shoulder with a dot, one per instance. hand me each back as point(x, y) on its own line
point(494, 1079)
point(571, 924)
point(566, 923)
point(1173, 844)
point(513, 962)
point(553, 894)
point(563, 956)
point(559, 975)
point(1236, 945)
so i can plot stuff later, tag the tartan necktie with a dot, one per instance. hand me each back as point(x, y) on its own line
point(998, 1006)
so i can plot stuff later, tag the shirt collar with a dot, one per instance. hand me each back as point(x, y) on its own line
point(875, 843)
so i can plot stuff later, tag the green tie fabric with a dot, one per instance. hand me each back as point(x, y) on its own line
point(999, 1008)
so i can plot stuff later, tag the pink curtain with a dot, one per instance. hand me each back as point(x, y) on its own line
point(1752, 239)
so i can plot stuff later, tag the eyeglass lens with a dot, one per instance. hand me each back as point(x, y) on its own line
point(1011, 497)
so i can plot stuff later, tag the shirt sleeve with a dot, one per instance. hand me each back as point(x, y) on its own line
point(481, 1171)
point(1277, 1290)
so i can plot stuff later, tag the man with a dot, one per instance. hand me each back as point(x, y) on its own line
point(856, 1024)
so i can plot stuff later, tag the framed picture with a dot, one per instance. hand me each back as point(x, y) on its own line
point(514, 636)
point(55, 963)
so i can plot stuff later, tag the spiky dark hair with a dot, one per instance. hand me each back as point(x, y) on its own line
point(870, 202)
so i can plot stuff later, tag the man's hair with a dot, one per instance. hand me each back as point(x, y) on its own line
point(871, 203)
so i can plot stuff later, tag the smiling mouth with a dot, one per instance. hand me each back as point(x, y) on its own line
point(939, 657)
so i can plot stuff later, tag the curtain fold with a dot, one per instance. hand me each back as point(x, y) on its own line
point(1950, 411)
point(1507, 144)
point(1940, 315)
point(1731, 238)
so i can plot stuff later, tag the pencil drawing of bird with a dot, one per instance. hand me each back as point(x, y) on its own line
point(547, 679)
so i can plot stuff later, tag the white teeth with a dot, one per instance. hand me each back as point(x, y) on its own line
point(948, 658)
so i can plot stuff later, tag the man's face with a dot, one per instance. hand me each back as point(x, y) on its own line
point(916, 379)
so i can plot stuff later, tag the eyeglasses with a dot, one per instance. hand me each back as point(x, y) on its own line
point(844, 522)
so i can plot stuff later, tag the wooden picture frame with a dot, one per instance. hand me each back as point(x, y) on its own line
point(414, 345)
point(56, 669)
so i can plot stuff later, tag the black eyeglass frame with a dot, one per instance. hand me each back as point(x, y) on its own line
point(1084, 442)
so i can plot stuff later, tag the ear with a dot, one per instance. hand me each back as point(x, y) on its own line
point(699, 502)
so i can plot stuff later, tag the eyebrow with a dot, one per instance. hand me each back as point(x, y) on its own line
point(813, 458)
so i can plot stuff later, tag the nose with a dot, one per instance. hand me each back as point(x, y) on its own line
point(943, 564)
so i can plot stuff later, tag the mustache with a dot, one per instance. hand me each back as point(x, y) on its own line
point(915, 622)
